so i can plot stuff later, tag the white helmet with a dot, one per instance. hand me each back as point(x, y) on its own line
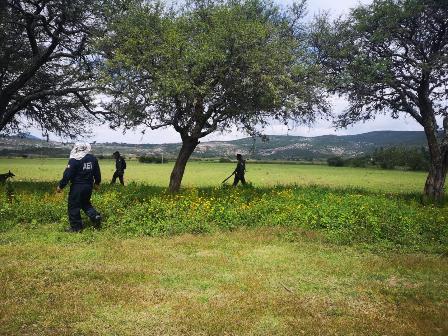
point(80, 150)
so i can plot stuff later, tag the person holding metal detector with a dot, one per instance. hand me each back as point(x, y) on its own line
point(83, 171)
point(239, 171)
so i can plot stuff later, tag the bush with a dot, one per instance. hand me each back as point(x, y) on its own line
point(390, 158)
point(418, 160)
point(359, 162)
point(151, 159)
point(409, 158)
point(335, 161)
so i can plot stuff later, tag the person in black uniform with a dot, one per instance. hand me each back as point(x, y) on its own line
point(83, 171)
point(120, 166)
point(239, 170)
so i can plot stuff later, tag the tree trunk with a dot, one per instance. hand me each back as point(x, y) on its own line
point(435, 182)
point(188, 146)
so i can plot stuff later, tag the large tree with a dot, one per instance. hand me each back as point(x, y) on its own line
point(392, 57)
point(209, 66)
point(47, 64)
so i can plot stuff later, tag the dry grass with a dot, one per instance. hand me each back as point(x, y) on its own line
point(248, 282)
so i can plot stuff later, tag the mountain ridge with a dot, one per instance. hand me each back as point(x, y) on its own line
point(278, 147)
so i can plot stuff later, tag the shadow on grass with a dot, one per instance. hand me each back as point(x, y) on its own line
point(143, 189)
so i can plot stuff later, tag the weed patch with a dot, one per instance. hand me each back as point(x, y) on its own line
point(342, 216)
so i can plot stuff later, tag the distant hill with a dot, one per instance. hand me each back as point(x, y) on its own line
point(296, 147)
point(279, 147)
point(28, 136)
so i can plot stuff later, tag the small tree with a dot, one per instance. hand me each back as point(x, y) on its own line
point(208, 66)
point(392, 56)
point(46, 64)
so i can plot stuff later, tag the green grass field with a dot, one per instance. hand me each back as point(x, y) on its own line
point(335, 251)
point(211, 174)
point(247, 282)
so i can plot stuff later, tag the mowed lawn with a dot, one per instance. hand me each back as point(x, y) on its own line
point(258, 281)
point(247, 282)
point(212, 174)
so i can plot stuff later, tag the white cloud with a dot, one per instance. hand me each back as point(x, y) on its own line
point(334, 7)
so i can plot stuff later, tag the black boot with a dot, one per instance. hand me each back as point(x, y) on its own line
point(74, 229)
point(97, 221)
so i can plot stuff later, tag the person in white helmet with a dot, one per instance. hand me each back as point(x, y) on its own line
point(83, 172)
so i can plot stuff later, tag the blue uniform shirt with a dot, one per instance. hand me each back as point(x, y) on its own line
point(84, 171)
point(120, 164)
point(240, 168)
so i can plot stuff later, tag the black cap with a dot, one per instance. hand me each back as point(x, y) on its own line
point(116, 153)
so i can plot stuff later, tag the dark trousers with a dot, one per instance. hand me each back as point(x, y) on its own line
point(239, 178)
point(119, 175)
point(79, 198)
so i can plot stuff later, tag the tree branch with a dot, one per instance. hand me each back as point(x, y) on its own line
point(43, 93)
point(31, 34)
point(32, 69)
point(87, 107)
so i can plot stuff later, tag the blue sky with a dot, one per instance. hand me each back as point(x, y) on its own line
point(335, 8)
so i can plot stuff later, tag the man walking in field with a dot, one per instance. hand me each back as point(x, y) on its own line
point(239, 170)
point(120, 166)
point(83, 171)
